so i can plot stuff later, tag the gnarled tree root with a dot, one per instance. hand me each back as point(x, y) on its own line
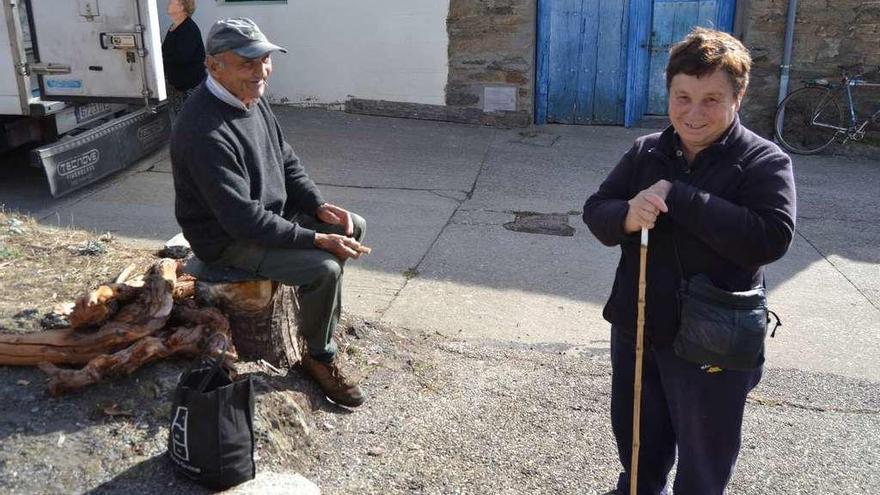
point(146, 311)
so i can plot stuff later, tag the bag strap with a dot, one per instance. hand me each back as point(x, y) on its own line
point(775, 325)
point(770, 311)
point(677, 257)
point(214, 362)
point(681, 267)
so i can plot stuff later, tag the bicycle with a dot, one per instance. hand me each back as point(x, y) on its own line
point(809, 119)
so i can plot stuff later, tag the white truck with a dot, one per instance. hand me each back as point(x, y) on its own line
point(82, 85)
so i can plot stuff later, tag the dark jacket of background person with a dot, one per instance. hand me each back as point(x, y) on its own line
point(235, 178)
point(183, 54)
point(730, 214)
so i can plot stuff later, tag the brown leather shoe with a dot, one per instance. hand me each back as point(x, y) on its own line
point(339, 388)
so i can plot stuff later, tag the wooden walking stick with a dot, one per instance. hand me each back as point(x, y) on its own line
point(640, 349)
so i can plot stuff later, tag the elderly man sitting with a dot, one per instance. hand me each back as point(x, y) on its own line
point(244, 200)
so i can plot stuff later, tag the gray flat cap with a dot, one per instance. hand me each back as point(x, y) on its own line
point(240, 35)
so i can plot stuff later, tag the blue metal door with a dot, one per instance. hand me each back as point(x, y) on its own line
point(672, 20)
point(581, 61)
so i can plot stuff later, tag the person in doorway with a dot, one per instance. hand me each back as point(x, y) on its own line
point(183, 53)
point(244, 200)
point(719, 200)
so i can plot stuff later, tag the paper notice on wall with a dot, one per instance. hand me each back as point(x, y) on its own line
point(499, 99)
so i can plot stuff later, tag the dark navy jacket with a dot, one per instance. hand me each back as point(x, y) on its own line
point(730, 214)
point(183, 54)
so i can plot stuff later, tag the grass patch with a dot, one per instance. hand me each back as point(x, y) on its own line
point(8, 253)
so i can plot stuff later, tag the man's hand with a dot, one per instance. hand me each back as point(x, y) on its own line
point(340, 246)
point(335, 215)
point(646, 206)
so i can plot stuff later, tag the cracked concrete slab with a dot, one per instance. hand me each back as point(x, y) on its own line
point(160, 161)
point(357, 150)
point(483, 281)
point(160, 166)
point(401, 227)
point(837, 221)
point(533, 137)
point(519, 177)
point(465, 216)
point(837, 205)
point(858, 259)
point(139, 207)
point(828, 325)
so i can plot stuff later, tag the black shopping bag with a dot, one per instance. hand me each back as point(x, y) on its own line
point(211, 439)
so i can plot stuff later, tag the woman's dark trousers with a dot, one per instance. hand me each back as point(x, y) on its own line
point(685, 408)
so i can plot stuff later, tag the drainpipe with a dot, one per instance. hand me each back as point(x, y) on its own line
point(786, 54)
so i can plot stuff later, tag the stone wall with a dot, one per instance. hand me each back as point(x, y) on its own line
point(492, 45)
point(827, 33)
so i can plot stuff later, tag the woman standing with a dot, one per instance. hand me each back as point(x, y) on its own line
point(183, 53)
point(720, 203)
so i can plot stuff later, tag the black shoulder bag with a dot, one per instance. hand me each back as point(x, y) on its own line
point(211, 439)
point(718, 327)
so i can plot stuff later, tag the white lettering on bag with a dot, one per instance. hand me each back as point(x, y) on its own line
point(178, 434)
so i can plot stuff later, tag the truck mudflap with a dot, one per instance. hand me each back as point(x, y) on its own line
point(79, 160)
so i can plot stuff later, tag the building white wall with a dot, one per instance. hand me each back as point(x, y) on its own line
point(338, 49)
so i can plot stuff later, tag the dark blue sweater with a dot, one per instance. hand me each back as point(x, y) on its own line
point(732, 213)
point(236, 178)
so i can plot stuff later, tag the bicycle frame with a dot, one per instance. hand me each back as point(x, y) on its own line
point(855, 130)
point(854, 82)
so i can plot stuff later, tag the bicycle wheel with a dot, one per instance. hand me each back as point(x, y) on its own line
point(806, 120)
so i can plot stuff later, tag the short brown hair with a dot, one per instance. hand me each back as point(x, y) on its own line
point(189, 6)
point(703, 51)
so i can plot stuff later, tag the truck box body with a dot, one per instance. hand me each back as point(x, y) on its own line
point(14, 40)
point(83, 79)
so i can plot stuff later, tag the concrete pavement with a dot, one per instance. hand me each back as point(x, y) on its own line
point(436, 196)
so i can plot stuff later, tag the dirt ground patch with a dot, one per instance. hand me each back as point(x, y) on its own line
point(111, 437)
point(43, 266)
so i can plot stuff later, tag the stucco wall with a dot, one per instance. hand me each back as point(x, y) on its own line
point(392, 50)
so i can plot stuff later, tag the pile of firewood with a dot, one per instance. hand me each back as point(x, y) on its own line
point(119, 327)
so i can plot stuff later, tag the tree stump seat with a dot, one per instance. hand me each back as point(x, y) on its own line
point(263, 314)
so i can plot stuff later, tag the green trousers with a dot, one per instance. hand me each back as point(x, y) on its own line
point(315, 273)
